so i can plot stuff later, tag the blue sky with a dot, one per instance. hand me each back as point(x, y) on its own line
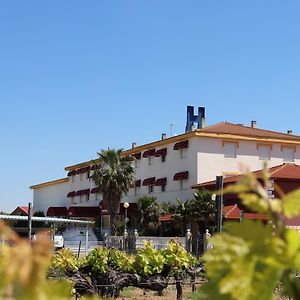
point(79, 76)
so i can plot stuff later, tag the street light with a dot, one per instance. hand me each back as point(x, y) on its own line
point(126, 205)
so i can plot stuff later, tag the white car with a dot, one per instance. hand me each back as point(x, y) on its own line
point(58, 241)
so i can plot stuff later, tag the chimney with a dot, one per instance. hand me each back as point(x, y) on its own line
point(253, 124)
point(203, 124)
point(290, 132)
point(163, 136)
point(133, 145)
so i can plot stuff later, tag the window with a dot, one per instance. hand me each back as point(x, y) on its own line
point(81, 176)
point(73, 200)
point(264, 151)
point(136, 190)
point(88, 175)
point(230, 149)
point(183, 153)
point(163, 158)
point(288, 153)
point(162, 188)
point(72, 178)
point(87, 198)
point(150, 160)
point(150, 189)
point(183, 184)
point(81, 198)
point(136, 163)
point(97, 196)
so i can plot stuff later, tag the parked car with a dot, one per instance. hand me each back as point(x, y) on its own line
point(58, 242)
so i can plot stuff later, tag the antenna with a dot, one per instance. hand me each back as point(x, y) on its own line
point(171, 129)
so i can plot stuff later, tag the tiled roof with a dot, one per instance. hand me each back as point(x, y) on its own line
point(293, 222)
point(20, 209)
point(242, 130)
point(166, 217)
point(284, 171)
point(233, 212)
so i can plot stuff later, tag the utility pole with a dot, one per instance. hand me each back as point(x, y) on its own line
point(29, 221)
point(219, 203)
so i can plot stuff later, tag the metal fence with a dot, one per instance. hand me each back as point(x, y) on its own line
point(131, 243)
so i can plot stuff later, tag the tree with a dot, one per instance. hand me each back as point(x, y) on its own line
point(180, 215)
point(202, 209)
point(149, 215)
point(114, 179)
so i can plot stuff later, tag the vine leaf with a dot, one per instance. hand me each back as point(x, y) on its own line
point(291, 204)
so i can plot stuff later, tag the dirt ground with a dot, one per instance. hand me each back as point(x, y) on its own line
point(168, 294)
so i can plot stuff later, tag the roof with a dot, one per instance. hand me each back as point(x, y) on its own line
point(49, 183)
point(233, 212)
point(242, 130)
point(166, 218)
point(293, 222)
point(20, 209)
point(284, 171)
point(223, 130)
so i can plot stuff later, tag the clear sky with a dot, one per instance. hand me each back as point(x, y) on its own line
point(80, 76)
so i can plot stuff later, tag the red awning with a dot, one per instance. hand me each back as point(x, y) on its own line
point(82, 192)
point(72, 173)
point(148, 153)
point(181, 145)
point(56, 211)
point(149, 181)
point(71, 194)
point(83, 170)
point(181, 175)
point(137, 155)
point(95, 167)
point(84, 211)
point(161, 181)
point(95, 190)
point(138, 183)
point(161, 152)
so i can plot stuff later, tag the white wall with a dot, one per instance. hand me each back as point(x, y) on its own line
point(211, 160)
point(53, 195)
point(172, 165)
point(75, 184)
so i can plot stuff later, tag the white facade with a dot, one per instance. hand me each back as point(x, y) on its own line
point(208, 154)
point(53, 194)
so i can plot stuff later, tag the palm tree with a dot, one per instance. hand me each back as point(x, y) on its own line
point(202, 209)
point(149, 211)
point(114, 179)
point(180, 212)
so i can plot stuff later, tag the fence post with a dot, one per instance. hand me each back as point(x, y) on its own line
point(206, 238)
point(188, 238)
point(125, 240)
point(105, 238)
point(136, 234)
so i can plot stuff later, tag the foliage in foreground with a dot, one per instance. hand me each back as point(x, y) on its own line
point(249, 259)
point(23, 268)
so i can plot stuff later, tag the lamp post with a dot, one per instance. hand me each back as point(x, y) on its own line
point(126, 205)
